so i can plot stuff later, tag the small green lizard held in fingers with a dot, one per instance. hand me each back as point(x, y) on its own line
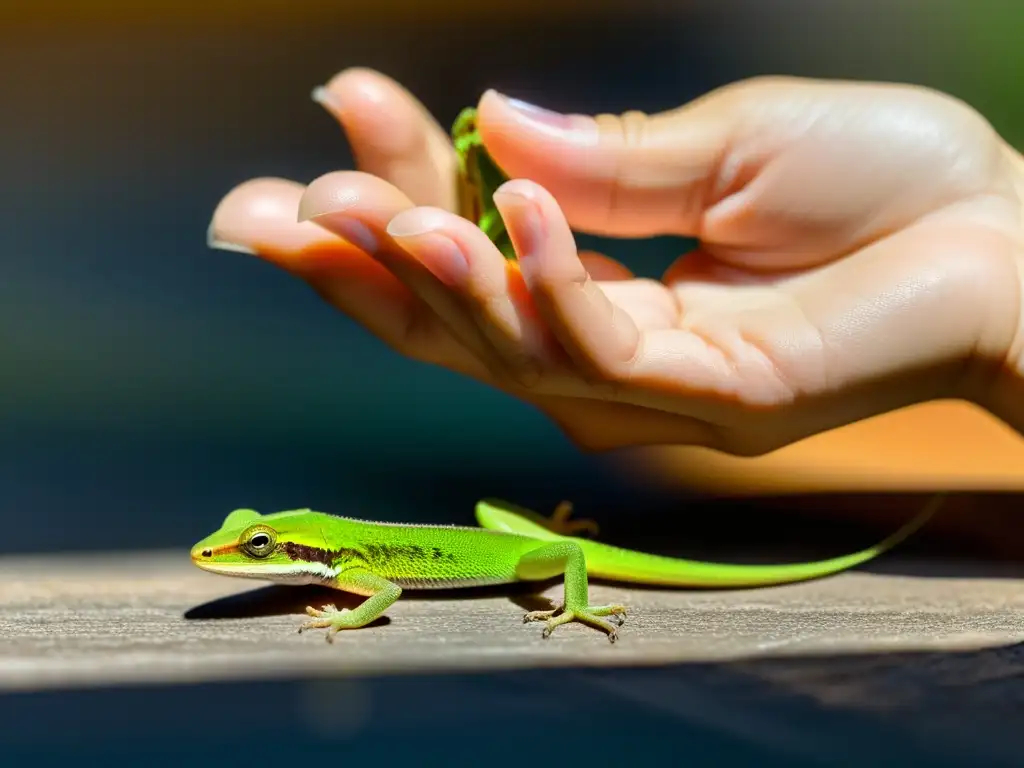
point(379, 560)
point(479, 178)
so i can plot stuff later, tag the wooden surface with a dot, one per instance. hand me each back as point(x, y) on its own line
point(153, 617)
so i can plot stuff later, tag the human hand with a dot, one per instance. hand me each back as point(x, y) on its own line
point(859, 252)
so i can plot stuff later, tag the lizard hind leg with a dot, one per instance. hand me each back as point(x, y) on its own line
point(560, 523)
point(566, 557)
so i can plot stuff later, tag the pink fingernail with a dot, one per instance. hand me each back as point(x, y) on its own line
point(578, 127)
point(353, 230)
point(420, 232)
point(411, 226)
point(519, 208)
point(539, 114)
point(439, 254)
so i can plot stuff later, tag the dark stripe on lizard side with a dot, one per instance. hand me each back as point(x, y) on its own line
point(384, 553)
point(310, 554)
point(371, 553)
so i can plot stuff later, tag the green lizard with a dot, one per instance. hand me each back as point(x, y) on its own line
point(478, 178)
point(379, 560)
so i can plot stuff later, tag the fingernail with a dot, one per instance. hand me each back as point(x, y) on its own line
point(322, 204)
point(519, 206)
point(352, 230)
point(445, 260)
point(537, 114)
point(326, 99)
point(549, 121)
point(438, 253)
point(214, 241)
point(410, 226)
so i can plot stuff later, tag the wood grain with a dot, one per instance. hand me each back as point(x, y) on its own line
point(151, 617)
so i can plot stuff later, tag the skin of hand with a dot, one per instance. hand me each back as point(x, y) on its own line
point(860, 251)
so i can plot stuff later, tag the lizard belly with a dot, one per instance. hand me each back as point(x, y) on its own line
point(449, 582)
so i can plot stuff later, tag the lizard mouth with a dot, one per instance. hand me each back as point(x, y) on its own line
point(282, 573)
point(233, 569)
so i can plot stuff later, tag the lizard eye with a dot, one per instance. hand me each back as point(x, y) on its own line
point(258, 542)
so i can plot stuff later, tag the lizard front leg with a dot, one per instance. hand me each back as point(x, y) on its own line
point(380, 595)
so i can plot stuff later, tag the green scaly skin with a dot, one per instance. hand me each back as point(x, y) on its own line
point(379, 560)
point(479, 178)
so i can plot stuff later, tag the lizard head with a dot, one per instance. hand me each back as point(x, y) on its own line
point(285, 547)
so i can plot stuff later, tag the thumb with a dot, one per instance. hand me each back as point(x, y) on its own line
point(630, 175)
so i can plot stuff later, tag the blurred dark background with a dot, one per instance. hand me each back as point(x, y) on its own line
point(149, 384)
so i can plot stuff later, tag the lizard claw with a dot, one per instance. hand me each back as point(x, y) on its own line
point(326, 618)
point(591, 616)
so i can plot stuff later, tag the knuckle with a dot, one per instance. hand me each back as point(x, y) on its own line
point(610, 373)
point(628, 127)
point(629, 131)
point(552, 280)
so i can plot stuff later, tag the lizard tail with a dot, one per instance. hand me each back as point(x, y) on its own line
point(618, 564)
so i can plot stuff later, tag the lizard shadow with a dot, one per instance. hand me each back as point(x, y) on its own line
point(277, 600)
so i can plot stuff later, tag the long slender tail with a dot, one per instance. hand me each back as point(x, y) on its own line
point(618, 564)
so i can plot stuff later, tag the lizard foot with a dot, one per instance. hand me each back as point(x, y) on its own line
point(560, 523)
point(329, 617)
point(590, 615)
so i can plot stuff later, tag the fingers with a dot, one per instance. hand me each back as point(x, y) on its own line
point(489, 288)
point(392, 135)
point(595, 333)
point(260, 217)
point(628, 176)
point(444, 260)
point(405, 294)
point(447, 261)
